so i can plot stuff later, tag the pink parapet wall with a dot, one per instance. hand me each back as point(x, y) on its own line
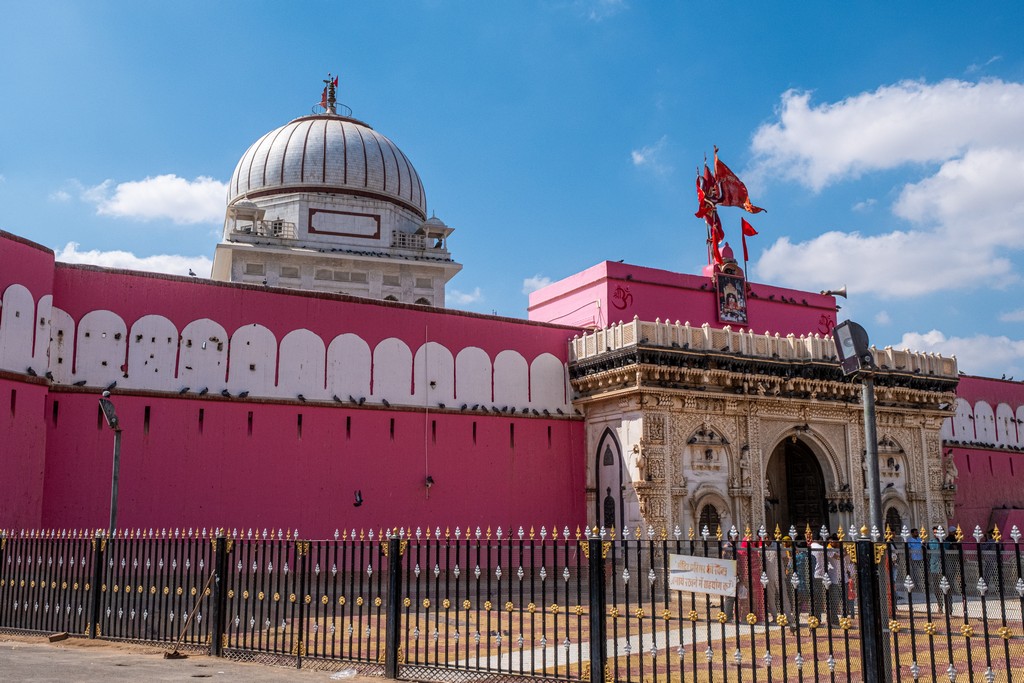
point(251, 407)
point(610, 293)
point(985, 437)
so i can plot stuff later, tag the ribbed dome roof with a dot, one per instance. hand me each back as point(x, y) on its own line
point(328, 153)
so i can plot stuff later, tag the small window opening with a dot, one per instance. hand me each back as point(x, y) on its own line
point(549, 436)
point(56, 410)
point(392, 429)
point(202, 416)
point(433, 431)
point(14, 400)
point(145, 421)
point(348, 427)
point(474, 432)
point(511, 435)
point(250, 423)
point(298, 425)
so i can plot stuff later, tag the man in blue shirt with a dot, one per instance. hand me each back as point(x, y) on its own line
point(915, 555)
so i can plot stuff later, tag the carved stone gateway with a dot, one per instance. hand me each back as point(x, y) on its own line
point(729, 429)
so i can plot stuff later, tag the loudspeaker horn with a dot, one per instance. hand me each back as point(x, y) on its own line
point(835, 292)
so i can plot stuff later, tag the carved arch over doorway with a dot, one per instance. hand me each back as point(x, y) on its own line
point(609, 481)
point(799, 475)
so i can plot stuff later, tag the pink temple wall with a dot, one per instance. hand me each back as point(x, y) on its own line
point(490, 469)
point(616, 292)
point(220, 475)
point(22, 451)
point(986, 438)
point(22, 397)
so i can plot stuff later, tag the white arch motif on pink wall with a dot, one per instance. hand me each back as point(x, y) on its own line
point(1020, 425)
point(433, 375)
point(62, 345)
point(203, 356)
point(44, 312)
point(302, 366)
point(392, 371)
point(473, 376)
point(984, 423)
point(17, 316)
point(152, 354)
point(963, 421)
point(547, 381)
point(252, 361)
point(511, 380)
point(348, 367)
point(100, 348)
point(1006, 426)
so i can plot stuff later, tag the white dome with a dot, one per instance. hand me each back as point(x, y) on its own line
point(328, 153)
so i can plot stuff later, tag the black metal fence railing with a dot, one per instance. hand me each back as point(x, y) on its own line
point(643, 605)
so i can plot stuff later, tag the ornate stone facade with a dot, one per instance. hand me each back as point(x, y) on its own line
point(745, 440)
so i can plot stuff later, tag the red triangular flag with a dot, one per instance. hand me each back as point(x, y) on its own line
point(335, 81)
point(748, 230)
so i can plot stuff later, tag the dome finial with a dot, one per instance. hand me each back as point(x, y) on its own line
point(328, 100)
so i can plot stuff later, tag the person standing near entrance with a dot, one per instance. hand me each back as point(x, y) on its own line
point(819, 568)
point(915, 564)
point(935, 562)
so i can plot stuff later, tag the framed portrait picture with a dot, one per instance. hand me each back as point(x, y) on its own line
point(732, 299)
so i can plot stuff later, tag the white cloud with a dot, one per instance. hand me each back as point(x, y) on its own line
point(462, 298)
point(532, 284)
point(892, 265)
point(599, 10)
point(883, 318)
point(161, 197)
point(171, 264)
point(977, 199)
point(865, 205)
point(59, 196)
point(974, 68)
point(1016, 316)
point(978, 355)
point(909, 122)
point(965, 215)
point(652, 156)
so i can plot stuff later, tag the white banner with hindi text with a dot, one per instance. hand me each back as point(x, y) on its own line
point(702, 575)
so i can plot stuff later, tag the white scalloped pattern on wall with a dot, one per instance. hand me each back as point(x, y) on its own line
point(154, 356)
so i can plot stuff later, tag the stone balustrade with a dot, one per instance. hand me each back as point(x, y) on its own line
point(706, 338)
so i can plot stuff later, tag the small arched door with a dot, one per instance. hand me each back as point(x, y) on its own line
point(609, 510)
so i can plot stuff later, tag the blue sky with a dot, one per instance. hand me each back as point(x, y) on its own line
point(885, 140)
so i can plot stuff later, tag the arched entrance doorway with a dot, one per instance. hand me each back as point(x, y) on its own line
point(795, 484)
point(608, 480)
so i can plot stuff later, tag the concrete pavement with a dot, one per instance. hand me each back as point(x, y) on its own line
point(32, 658)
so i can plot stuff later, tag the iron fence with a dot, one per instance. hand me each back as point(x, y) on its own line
point(554, 605)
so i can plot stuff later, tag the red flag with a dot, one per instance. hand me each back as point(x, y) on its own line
point(707, 193)
point(717, 234)
point(323, 99)
point(748, 231)
point(335, 82)
point(733, 191)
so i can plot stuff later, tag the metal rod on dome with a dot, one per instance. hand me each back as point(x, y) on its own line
point(332, 99)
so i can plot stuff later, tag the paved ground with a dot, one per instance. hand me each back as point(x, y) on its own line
point(32, 658)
